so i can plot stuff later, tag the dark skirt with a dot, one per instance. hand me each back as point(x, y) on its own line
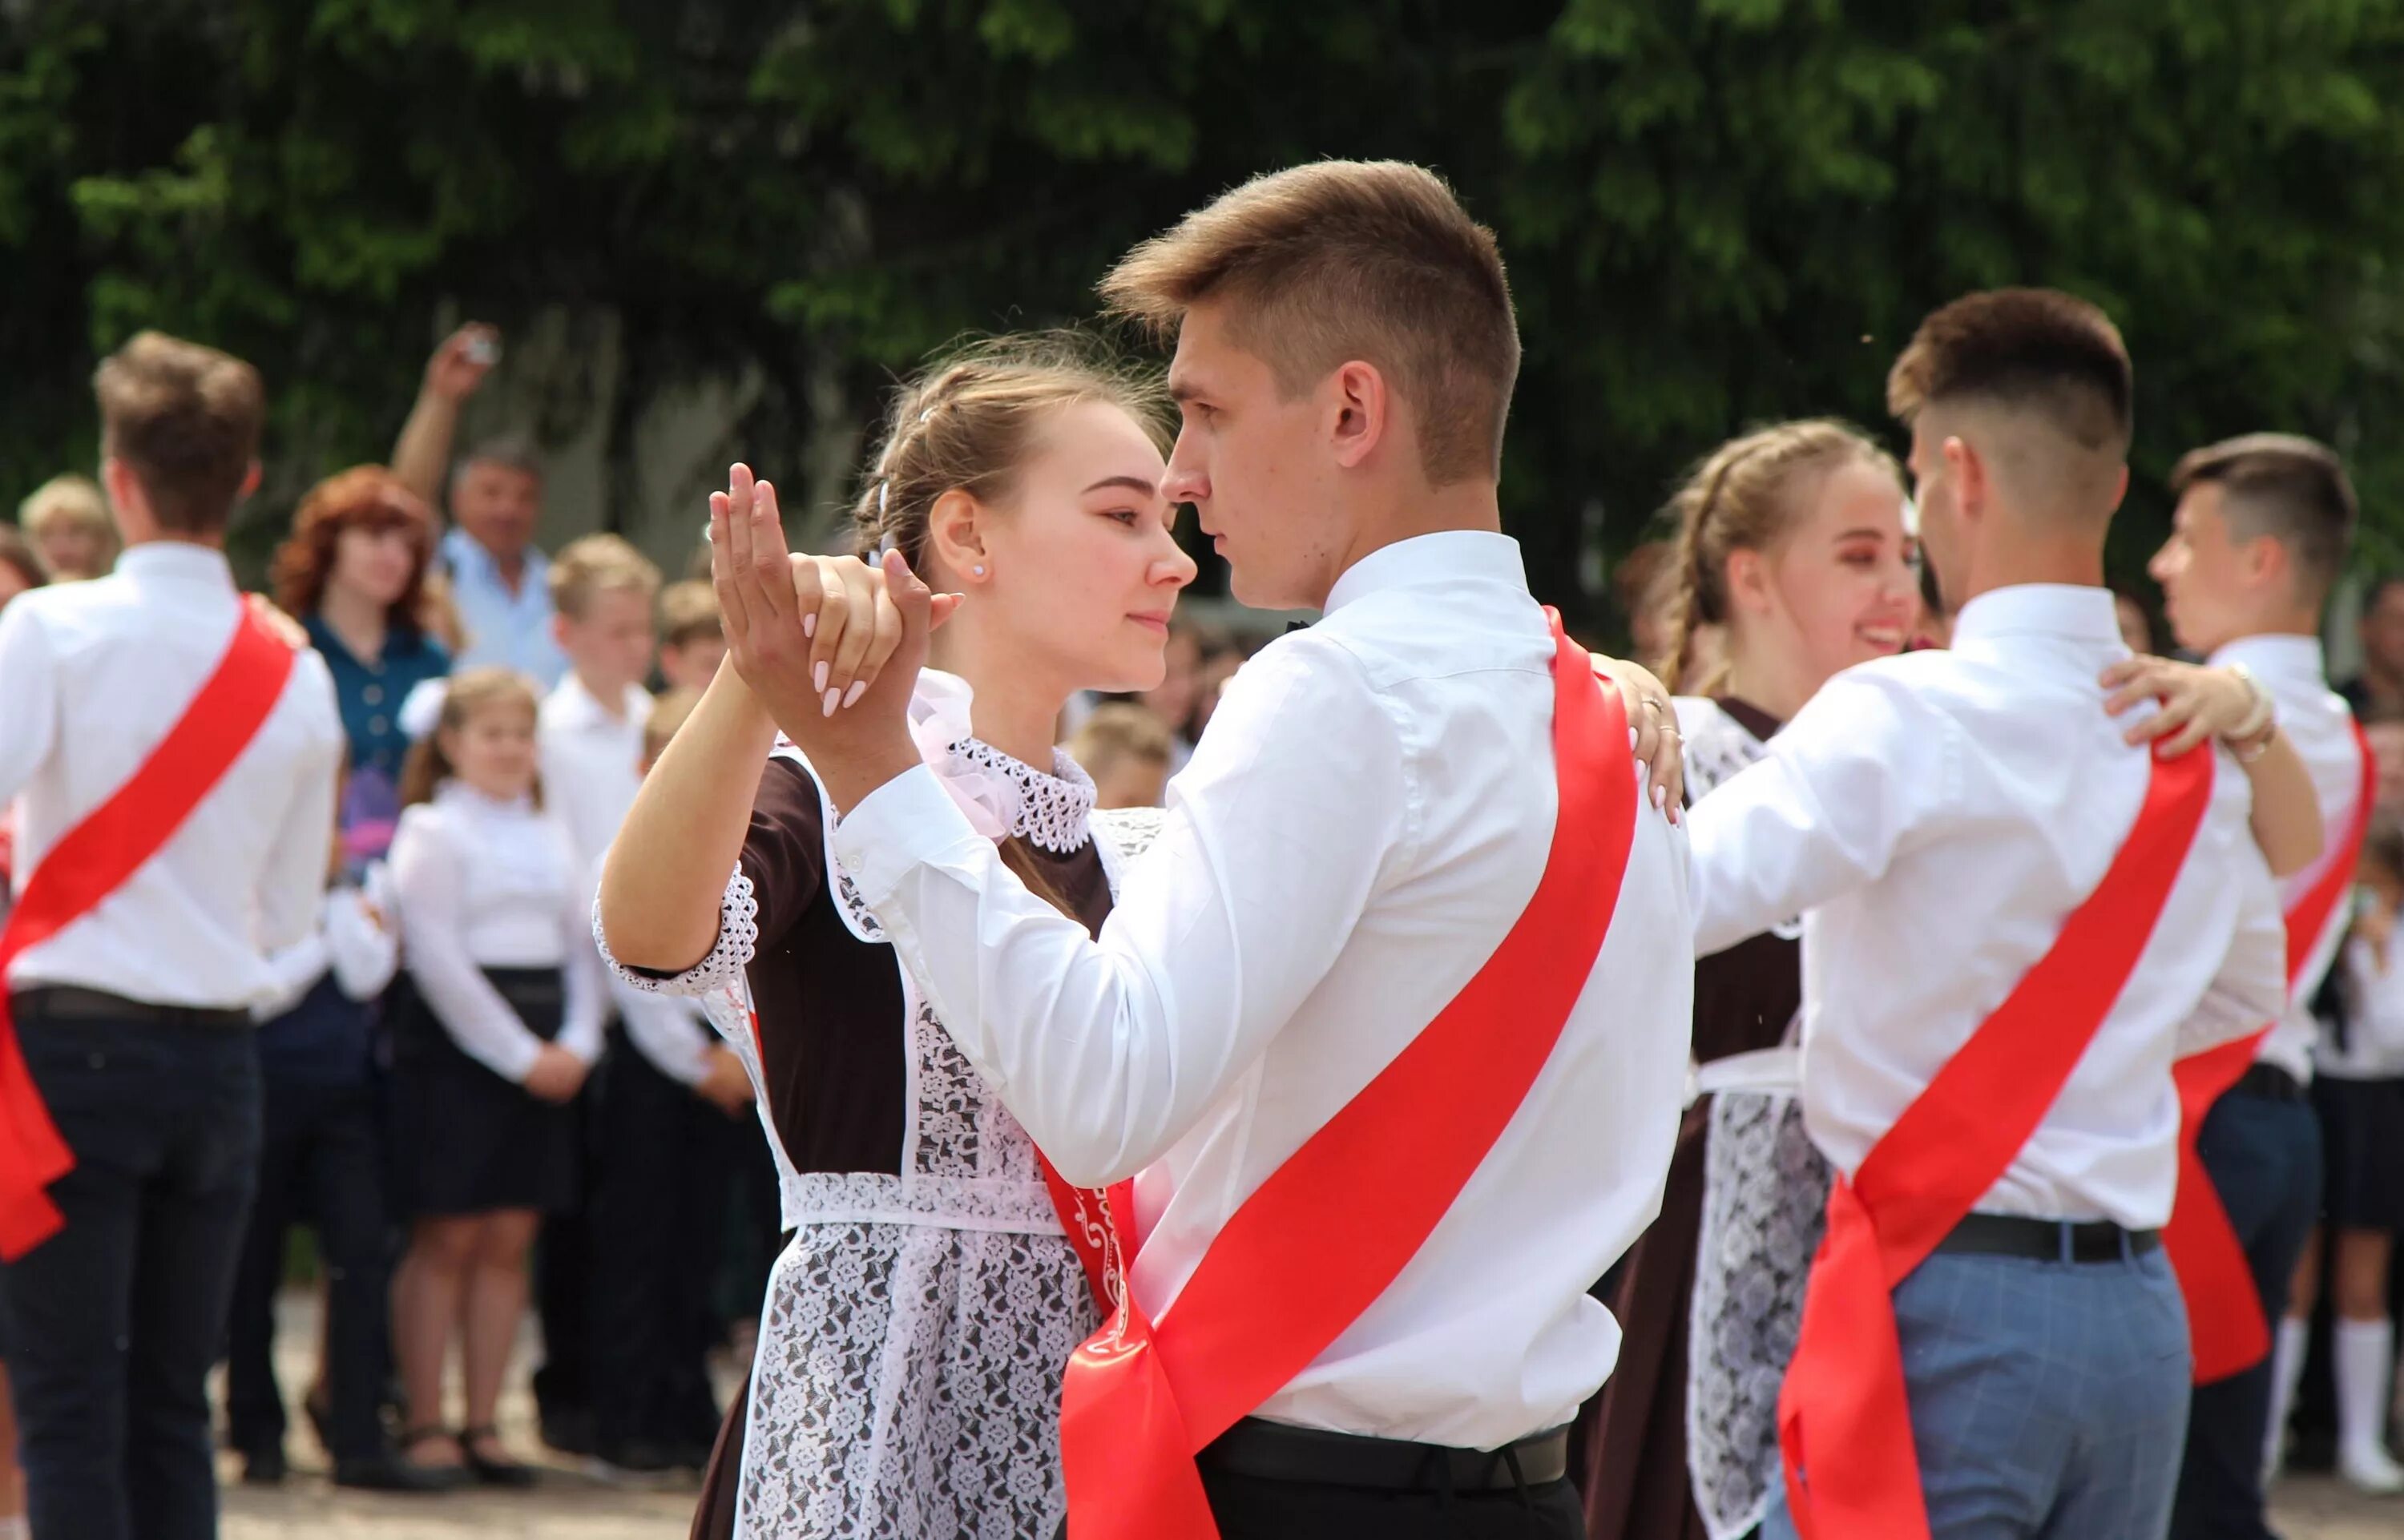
point(1631, 1451)
point(467, 1140)
point(2362, 1140)
point(713, 1515)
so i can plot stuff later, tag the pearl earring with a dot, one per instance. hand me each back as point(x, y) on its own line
point(978, 570)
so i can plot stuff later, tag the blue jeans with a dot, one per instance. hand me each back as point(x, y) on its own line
point(112, 1323)
point(2265, 1161)
point(2049, 1399)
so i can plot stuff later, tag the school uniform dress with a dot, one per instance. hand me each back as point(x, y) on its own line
point(591, 768)
point(1934, 818)
point(1367, 816)
point(1682, 1443)
point(321, 1161)
point(492, 912)
point(135, 1024)
point(2260, 1143)
point(911, 1346)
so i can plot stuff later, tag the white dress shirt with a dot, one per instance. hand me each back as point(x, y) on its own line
point(92, 675)
point(2318, 722)
point(362, 952)
point(592, 761)
point(1365, 818)
point(1936, 816)
point(2374, 1024)
point(485, 884)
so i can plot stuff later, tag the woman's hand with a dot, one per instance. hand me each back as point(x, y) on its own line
point(556, 1076)
point(1653, 718)
point(2197, 702)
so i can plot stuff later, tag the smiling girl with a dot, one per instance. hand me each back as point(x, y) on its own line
point(908, 1374)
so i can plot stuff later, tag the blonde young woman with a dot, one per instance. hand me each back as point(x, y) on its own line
point(1793, 551)
point(907, 1380)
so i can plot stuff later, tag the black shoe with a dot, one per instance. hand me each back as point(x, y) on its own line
point(630, 1463)
point(492, 1472)
point(384, 1473)
point(265, 1468)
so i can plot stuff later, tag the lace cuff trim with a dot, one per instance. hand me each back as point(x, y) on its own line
point(738, 937)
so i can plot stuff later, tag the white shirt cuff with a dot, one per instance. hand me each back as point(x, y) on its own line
point(908, 822)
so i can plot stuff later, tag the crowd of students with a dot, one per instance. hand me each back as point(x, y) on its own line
point(431, 812)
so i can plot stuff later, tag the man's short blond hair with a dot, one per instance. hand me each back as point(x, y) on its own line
point(595, 565)
point(64, 499)
point(1338, 261)
point(688, 613)
point(186, 419)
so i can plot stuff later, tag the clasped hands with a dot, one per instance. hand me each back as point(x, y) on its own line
point(832, 646)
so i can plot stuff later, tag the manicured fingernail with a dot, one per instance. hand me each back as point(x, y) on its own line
point(1660, 796)
point(810, 624)
point(1631, 739)
point(834, 698)
point(818, 676)
point(851, 696)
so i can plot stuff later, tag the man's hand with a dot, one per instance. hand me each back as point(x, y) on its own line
point(459, 366)
point(1653, 718)
point(725, 1084)
point(557, 1075)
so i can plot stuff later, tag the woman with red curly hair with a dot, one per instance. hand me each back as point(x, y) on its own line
point(354, 572)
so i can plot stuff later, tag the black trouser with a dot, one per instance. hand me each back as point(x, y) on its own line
point(563, 1296)
point(112, 1323)
point(668, 1161)
point(2264, 1157)
point(320, 1159)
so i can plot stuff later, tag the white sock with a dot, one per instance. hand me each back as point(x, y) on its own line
point(2363, 1352)
point(2286, 1372)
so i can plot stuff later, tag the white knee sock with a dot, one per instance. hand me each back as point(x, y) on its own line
point(2286, 1372)
point(2364, 1355)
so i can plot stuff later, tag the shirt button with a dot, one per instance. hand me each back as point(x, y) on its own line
point(377, 725)
point(372, 694)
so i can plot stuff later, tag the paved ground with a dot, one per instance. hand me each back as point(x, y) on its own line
point(569, 1506)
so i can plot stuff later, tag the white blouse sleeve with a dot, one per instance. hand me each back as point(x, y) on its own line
point(429, 882)
point(670, 1032)
point(365, 951)
point(584, 982)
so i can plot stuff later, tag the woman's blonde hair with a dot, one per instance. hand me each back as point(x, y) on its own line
point(967, 422)
point(464, 694)
point(1746, 496)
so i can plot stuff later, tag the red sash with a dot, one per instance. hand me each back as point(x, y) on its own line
point(1844, 1424)
point(92, 861)
point(1302, 1258)
point(2225, 1321)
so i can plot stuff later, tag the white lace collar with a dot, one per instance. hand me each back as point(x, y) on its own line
point(1051, 811)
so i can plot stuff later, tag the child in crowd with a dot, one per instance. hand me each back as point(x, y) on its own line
point(673, 1116)
point(1126, 748)
point(320, 1156)
point(2359, 1093)
point(67, 524)
point(494, 1026)
point(692, 638)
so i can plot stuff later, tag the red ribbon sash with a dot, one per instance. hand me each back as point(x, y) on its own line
point(1844, 1424)
point(2225, 1324)
point(1292, 1270)
point(92, 861)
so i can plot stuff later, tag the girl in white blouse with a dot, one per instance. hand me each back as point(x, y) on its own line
point(494, 1027)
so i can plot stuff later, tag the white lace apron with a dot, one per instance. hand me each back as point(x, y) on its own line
point(1765, 1191)
point(907, 1383)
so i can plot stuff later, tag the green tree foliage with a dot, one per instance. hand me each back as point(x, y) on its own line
point(1716, 211)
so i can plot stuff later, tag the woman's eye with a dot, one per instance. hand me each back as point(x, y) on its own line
point(1126, 516)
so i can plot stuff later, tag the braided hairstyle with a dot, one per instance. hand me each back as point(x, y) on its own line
point(966, 422)
point(1745, 496)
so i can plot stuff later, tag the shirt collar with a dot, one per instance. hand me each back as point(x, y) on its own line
point(454, 792)
point(1446, 557)
point(573, 706)
point(467, 555)
point(2277, 658)
point(176, 561)
point(2064, 611)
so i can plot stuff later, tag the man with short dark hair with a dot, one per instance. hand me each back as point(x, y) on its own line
point(2258, 539)
point(178, 814)
point(2012, 917)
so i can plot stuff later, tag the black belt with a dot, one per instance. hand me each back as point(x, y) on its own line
point(66, 1002)
point(2271, 1083)
point(1270, 1452)
point(2048, 1239)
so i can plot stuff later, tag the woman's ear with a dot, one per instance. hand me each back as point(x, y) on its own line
point(1746, 581)
point(956, 538)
